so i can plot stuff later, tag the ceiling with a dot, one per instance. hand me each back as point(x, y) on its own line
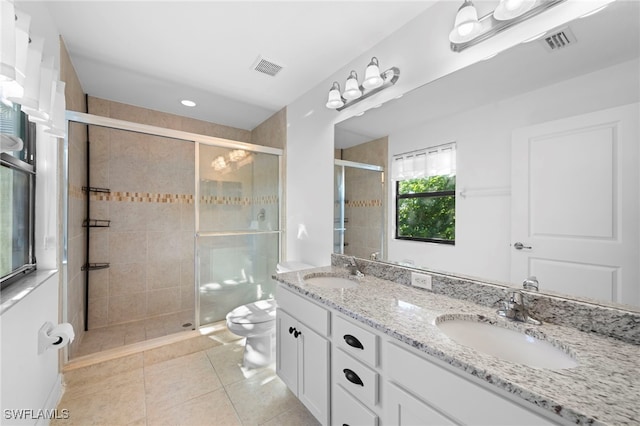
point(604, 39)
point(153, 54)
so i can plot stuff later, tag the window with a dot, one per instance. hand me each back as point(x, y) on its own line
point(426, 194)
point(17, 194)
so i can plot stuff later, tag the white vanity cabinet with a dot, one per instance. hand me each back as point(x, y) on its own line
point(376, 380)
point(303, 351)
point(422, 392)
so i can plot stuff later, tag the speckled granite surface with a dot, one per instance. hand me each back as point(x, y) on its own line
point(603, 389)
point(608, 320)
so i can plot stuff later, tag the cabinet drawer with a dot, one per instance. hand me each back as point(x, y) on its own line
point(355, 377)
point(404, 409)
point(355, 340)
point(308, 313)
point(346, 410)
point(450, 392)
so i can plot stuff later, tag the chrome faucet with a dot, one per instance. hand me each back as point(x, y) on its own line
point(515, 309)
point(353, 267)
point(531, 283)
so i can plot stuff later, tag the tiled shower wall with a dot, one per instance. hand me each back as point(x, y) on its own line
point(366, 199)
point(149, 243)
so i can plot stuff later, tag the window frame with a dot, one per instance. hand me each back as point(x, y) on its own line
point(29, 168)
point(433, 194)
point(437, 160)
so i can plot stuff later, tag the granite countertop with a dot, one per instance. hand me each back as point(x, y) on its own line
point(603, 389)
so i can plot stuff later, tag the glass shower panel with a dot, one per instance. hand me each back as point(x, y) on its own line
point(235, 270)
point(359, 220)
point(238, 238)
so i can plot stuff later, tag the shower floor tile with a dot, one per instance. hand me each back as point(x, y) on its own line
point(187, 382)
point(115, 336)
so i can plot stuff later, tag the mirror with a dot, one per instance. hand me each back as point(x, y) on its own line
point(481, 108)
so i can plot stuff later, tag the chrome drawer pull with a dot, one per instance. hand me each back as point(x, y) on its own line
point(352, 341)
point(352, 377)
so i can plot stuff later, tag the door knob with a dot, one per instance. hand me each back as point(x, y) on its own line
point(519, 246)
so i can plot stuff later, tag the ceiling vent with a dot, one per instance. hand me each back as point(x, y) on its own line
point(559, 40)
point(266, 66)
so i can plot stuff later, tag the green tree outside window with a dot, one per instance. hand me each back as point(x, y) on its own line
point(425, 209)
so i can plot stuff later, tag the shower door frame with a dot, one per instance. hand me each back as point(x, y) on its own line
point(197, 139)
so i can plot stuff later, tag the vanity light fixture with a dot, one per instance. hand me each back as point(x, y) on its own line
point(187, 103)
point(466, 25)
point(468, 30)
point(374, 81)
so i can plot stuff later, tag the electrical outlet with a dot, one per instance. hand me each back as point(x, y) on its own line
point(421, 280)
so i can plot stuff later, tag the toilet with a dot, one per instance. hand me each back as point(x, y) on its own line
point(257, 322)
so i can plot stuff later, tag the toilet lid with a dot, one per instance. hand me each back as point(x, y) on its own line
point(254, 313)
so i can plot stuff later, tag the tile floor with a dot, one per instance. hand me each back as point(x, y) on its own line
point(197, 381)
point(114, 336)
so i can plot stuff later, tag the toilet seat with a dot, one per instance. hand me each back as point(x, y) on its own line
point(254, 313)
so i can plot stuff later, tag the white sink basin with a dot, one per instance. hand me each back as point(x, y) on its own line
point(506, 344)
point(330, 281)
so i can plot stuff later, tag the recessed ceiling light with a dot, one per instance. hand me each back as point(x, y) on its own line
point(188, 103)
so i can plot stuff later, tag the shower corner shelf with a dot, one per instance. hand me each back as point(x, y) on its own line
point(96, 223)
point(95, 189)
point(94, 266)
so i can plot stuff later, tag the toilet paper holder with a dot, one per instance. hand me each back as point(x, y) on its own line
point(51, 336)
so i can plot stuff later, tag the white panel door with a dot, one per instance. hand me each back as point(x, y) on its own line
point(574, 208)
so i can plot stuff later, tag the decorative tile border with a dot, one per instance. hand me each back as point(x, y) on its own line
point(143, 197)
point(148, 197)
point(363, 203)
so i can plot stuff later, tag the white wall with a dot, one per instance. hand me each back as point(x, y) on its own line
point(484, 161)
point(29, 380)
point(421, 50)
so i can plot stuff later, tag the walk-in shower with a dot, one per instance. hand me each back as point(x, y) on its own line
point(171, 230)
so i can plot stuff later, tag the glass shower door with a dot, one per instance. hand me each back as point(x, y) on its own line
point(238, 228)
point(359, 212)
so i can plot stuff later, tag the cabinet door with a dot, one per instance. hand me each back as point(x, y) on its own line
point(313, 372)
point(405, 410)
point(286, 350)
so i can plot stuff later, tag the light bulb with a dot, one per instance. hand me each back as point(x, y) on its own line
point(512, 4)
point(351, 87)
point(510, 9)
point(372, 77)
point(466, 25)
point(335, 99)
